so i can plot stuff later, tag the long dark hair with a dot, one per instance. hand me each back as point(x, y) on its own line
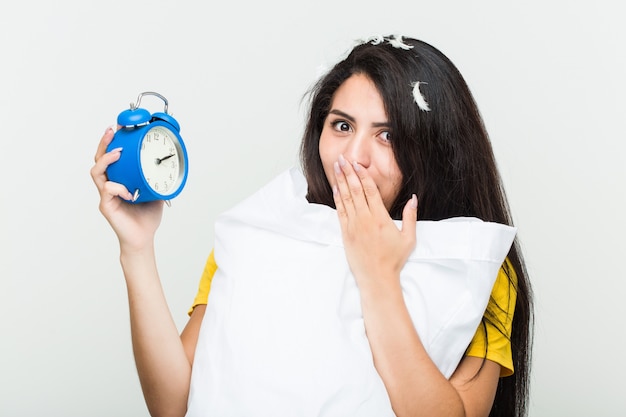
point(445, 157)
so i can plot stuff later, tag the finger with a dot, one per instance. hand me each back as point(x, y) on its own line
point(342, 195)
point(104, 142)
point(98, 171)
point(370, 190)
point(341, 209)
point(351, 187)
point(112, 190)
point(409, 218)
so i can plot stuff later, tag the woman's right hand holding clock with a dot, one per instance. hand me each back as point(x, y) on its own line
point(162, 363)
point(134, 224)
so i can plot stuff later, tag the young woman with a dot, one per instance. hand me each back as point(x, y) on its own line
point(392, 124)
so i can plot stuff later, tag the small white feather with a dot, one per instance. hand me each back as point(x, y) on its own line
point(397, 42)
point(376, 39)
point(418, 97)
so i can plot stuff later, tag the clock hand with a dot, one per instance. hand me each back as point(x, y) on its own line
point(159, 160)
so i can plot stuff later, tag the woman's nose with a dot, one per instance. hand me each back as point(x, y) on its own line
point(358, 150)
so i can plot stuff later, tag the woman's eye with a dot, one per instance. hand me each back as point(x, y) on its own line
point(386, 136)
point(341, 126)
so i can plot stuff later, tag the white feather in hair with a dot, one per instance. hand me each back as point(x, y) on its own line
point(419, 97)
point(397, 42)
point(376, 39)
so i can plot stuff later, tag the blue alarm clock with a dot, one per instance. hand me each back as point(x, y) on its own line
point(153, 164)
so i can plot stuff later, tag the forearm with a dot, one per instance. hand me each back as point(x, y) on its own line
point(163, 368)
point(415, 385)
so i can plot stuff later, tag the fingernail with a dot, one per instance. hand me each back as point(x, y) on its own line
point(342, 160)
point(356, 166)
point(337, 169)
point(117, 149)
point(335, 190)
point(413, 201)
point(109, 129)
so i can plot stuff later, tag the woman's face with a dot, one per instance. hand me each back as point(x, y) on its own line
point(357, 127)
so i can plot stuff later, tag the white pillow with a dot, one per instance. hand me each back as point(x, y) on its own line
point(283, 332)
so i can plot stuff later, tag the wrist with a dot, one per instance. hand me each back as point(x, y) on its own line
point(380, 289)
point(137, 261)
point(131, 250)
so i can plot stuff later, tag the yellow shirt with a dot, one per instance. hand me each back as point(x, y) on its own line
point(502, 303)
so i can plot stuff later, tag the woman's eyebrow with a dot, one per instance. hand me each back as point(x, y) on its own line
point(342, 114)
point(353, 120)
point(381, 124)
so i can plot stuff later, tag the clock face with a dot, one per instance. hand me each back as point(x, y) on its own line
point(162, 160)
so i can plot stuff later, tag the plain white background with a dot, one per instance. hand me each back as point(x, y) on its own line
point(548, 78)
